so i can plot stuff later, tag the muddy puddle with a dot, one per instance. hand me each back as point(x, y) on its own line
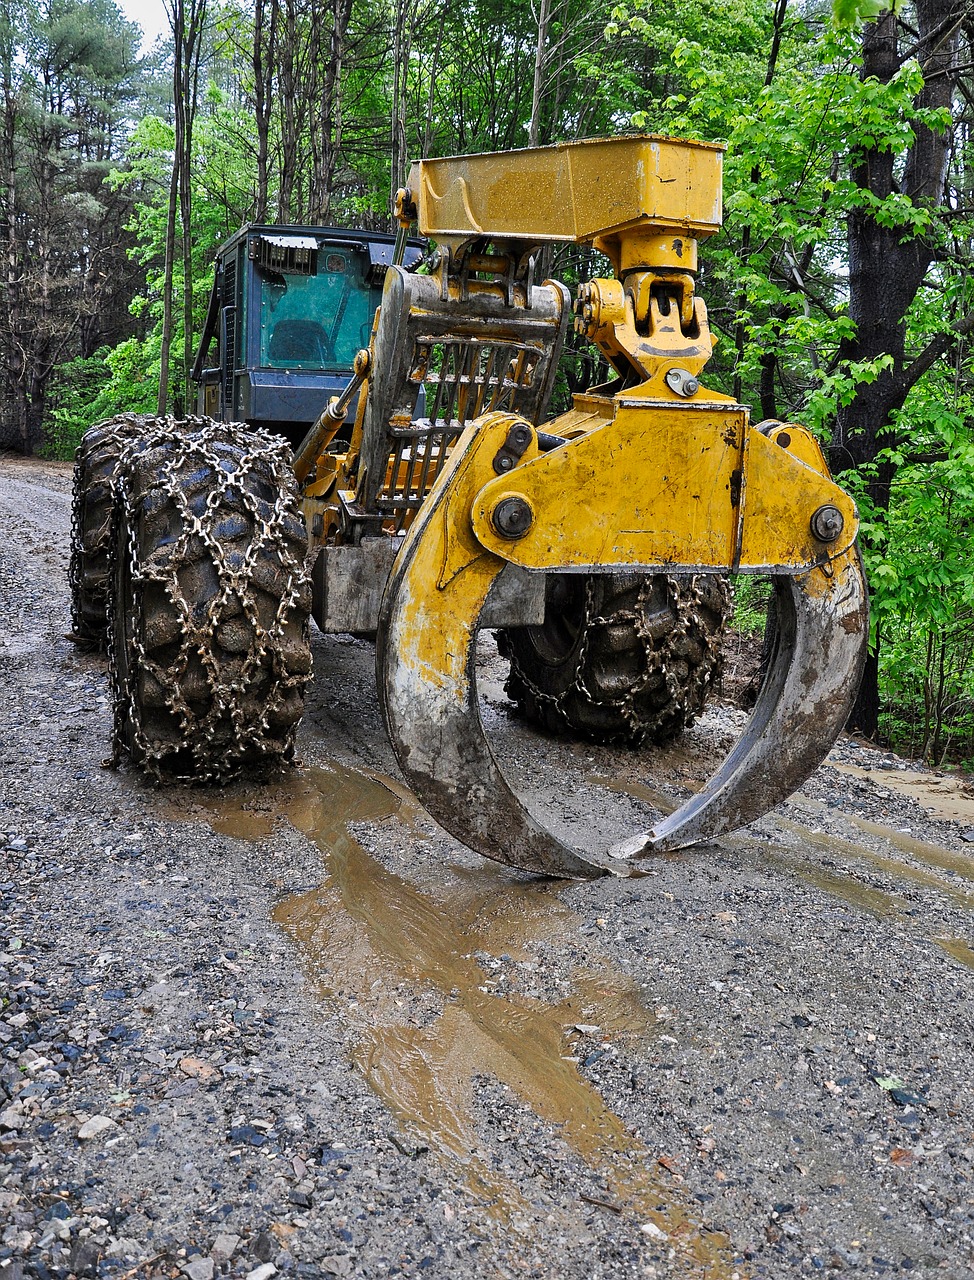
point(429, 983)
point(958, 949)
point(950, 798)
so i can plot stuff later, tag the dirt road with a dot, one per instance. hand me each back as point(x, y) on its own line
point(298, 1030)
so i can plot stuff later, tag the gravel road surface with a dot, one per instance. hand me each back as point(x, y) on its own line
point(294, 1029)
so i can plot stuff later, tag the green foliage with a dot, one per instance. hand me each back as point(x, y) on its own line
point(750, 601)
point(920, 561)
point(78, 386)
point(850, 13)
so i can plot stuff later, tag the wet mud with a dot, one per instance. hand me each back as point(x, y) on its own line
point(369, 940)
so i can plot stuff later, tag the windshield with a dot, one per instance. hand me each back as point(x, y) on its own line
point(321, 321)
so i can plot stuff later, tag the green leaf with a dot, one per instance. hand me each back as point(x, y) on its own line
point(849, 13)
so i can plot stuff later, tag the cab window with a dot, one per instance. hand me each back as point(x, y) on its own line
point(320, 321)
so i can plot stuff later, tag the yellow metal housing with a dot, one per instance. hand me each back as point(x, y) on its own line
point(606, 190)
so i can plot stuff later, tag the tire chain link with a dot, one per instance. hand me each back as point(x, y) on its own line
point(654, 657)
point(193, 439)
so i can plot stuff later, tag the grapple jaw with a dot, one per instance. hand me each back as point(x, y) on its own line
point(805, 700)
point(450, 558)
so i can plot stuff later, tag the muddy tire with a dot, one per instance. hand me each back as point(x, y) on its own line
point(620, 658)
point(89, 569)
point(208, 639)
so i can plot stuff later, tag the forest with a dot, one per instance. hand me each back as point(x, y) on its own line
point(839, 286)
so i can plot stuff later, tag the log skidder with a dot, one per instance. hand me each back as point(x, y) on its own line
point(208, 619)
point(452, 503)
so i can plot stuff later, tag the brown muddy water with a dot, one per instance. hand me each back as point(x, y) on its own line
point(415, 973)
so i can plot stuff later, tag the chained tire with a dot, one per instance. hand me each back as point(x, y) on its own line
point(209, 650)
point(89, 568)
point(620, 658)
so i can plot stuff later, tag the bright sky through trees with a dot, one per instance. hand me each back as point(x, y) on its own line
point(151, 17)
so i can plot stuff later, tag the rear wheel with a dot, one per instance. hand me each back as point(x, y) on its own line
point(625, 657)
point(208, 644)
point(89, 570)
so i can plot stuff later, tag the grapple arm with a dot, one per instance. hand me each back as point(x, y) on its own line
point(474, 522)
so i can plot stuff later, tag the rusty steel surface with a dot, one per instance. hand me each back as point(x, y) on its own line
point(426, 681)
point(823, 625)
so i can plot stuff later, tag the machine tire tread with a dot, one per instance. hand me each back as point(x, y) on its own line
point(89, 566)
point(209, 636)
point(620, 658)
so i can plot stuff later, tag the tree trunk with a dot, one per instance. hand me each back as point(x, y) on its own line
point(540, 59)
point(10, 428)
point(400, 67)
point(289, 87)
point(265, 39)
point(330, 115)
point(162, 400)
point(886, 269)
point(190, 60)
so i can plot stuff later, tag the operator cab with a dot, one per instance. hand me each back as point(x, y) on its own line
point(289, 309)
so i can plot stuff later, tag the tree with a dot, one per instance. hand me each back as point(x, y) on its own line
point(893, 239)
point(68, 80)
point(188, 24)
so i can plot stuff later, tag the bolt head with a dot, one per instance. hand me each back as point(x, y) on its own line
point(512, 517)
point(682, 382)
point(827, 523)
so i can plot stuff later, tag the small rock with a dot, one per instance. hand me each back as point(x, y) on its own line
point(263, 1272)
point(12, 1118)
point(84, 1257)
point(264, 1247)
point(124, 1247)
point(95, 1126)
point(653, 1231)
point(224, 1246)
point(199, 1269)
point(338, 1266)
point(197, 1069)
point(248, 1134)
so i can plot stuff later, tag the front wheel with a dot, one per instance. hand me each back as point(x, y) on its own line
point(621, 657)
point(208, 640)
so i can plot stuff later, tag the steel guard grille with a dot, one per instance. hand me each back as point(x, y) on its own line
point(461, 378)
point(440, 363)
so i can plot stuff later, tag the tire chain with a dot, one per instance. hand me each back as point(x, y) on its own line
point(125, 426)
point(655, 662)
point(193, 438)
